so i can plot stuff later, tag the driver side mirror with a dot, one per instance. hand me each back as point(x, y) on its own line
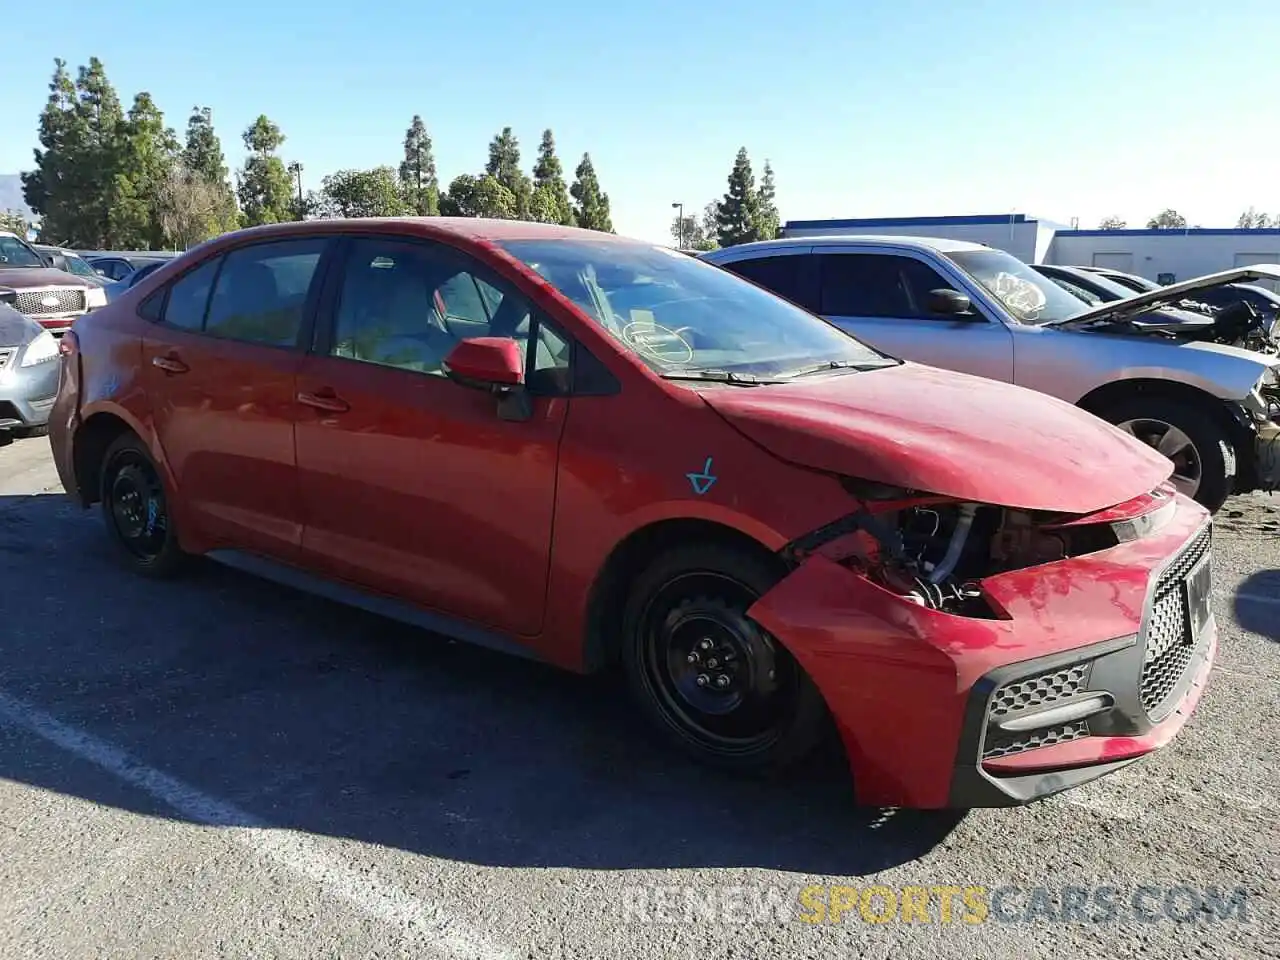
point(949, 303)
point(496, 365)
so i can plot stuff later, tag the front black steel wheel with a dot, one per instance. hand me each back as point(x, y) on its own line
point(136, 510)
point(714, 680)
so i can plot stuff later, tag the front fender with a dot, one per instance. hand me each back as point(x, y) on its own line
point(1072, 363)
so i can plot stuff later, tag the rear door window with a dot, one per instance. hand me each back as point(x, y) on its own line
point(189, 297)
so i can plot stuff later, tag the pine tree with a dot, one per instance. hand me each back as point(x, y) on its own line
point(769, 221)
point(504, 166)
point(74, 186)
point(418, 171)
point(264, 187)
point(591, 205)
point(148, 153)
point(738, 215)
point(550, 203)
point(103, 120)
point(48, 189)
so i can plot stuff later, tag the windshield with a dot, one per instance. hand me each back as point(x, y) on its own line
point(1108, 290)
point(79, 266)
point(1133, 283)
point(15, 253)
point(686, 318)
point(1031, 297)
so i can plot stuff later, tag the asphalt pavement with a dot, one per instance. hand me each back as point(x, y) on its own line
point(220, 767)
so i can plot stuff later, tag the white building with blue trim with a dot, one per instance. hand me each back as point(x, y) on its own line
point(1162, 255)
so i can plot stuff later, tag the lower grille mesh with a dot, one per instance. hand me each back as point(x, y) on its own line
point(1003, 746)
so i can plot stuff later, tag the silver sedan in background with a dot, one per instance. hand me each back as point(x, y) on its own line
point(1174, 380)
point(28, 373)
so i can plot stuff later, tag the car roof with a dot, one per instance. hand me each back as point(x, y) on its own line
point(470, 228)
point(938, 244)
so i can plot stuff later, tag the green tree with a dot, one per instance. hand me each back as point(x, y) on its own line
point(418, 178)
point(202, 158)
point(363, 193)
point(148, 152)
point(550, 202)
point(483, 196)
point(768, 220)
point(738, 214)
point(263, 185)
point(47, 189)
point(1112, 223)
point(591, 204)
point(100, 116)
point(73, 187)
point(504, 166)
point(12, 221)
point(1167, 220)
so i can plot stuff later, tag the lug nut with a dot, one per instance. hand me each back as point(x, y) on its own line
point(722, 681)
point(691, 658)
point(703, 680)
point(706, 643)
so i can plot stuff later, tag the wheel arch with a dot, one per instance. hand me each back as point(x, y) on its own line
point(92, 438)
point(629, 557)
point(1097, 400)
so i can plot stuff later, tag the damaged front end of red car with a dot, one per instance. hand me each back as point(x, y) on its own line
point(974, 654)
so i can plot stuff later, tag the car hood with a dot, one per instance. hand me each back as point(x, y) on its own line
point(23, 278)
point(1172, 294)
point(15, 328)
point(946, 433)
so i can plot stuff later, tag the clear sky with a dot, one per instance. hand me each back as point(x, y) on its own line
point(865, 107)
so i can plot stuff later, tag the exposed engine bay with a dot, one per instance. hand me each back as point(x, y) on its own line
point(1237, 325)
point(934, 551)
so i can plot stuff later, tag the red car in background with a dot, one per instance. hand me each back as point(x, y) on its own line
point(594, 450)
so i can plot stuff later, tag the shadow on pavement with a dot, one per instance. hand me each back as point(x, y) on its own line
point(325, 719)
point(1257, 604)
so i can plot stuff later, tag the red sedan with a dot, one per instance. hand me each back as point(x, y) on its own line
point(594, 450)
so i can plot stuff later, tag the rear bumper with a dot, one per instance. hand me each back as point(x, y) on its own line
point(914, 691)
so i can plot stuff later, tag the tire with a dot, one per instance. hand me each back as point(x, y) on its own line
point(1209, 439)
point(135, 509)
point(760, 724)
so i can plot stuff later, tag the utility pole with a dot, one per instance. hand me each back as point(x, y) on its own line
point(679, 225)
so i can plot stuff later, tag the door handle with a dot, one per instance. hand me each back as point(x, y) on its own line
point(169, 364)
point(324, 400)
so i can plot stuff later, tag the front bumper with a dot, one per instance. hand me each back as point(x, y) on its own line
point(921, 697)
point(27, 393)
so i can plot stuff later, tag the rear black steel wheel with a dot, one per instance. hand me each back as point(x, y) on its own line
point(136, 510)
point(711, 678)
